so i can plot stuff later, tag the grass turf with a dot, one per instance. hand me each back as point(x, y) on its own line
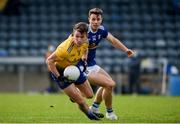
point(57, 108)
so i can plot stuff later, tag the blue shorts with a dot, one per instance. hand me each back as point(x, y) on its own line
point(82, 78)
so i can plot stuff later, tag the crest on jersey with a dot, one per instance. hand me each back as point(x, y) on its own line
point(94, 38)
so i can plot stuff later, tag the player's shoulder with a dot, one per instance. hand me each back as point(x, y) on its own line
point(65, 44)
point(68, 41)
point(102, 27)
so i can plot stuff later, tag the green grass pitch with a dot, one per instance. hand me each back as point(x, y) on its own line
point(23, 108)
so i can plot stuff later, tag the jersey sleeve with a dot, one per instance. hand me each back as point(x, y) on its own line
point(60, 53)
point(104, 32)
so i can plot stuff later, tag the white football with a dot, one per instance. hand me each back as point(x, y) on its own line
point(72, 72)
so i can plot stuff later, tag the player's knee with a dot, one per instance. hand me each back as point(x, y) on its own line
point(111, 85)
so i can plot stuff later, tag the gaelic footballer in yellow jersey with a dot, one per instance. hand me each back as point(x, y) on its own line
point(68, 53)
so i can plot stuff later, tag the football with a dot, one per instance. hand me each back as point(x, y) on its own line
point(72, 72)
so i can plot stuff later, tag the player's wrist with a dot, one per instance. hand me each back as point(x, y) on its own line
point(126, 51)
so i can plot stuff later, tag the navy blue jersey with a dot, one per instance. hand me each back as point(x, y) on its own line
point(94, 39)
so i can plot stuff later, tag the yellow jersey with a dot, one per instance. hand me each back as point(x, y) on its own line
point(68, 53)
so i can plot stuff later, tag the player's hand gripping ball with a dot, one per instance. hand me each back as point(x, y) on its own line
point(71, 72)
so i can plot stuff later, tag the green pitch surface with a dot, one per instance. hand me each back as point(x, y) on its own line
point(57, 108)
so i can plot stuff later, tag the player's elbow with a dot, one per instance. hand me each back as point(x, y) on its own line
point(47, 61)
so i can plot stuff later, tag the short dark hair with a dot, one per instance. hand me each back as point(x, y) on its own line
point(96, 11)
point(81, 27)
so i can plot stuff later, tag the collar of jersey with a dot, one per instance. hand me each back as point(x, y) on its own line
point(90, 29)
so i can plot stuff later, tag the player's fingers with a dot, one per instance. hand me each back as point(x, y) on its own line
point(130, 53)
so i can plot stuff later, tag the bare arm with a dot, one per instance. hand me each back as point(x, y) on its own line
point(50, 61)
point(118, 44)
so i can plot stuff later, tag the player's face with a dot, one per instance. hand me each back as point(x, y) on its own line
point(95, 21)
point(79, 38)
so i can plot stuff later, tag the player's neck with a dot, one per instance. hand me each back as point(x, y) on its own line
point(93, 30)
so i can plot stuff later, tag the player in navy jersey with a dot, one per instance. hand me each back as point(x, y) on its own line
point(96, 75)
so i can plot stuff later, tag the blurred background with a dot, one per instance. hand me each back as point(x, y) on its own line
point(151, 27)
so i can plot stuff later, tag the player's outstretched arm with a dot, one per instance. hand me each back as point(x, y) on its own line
point(118, 44)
